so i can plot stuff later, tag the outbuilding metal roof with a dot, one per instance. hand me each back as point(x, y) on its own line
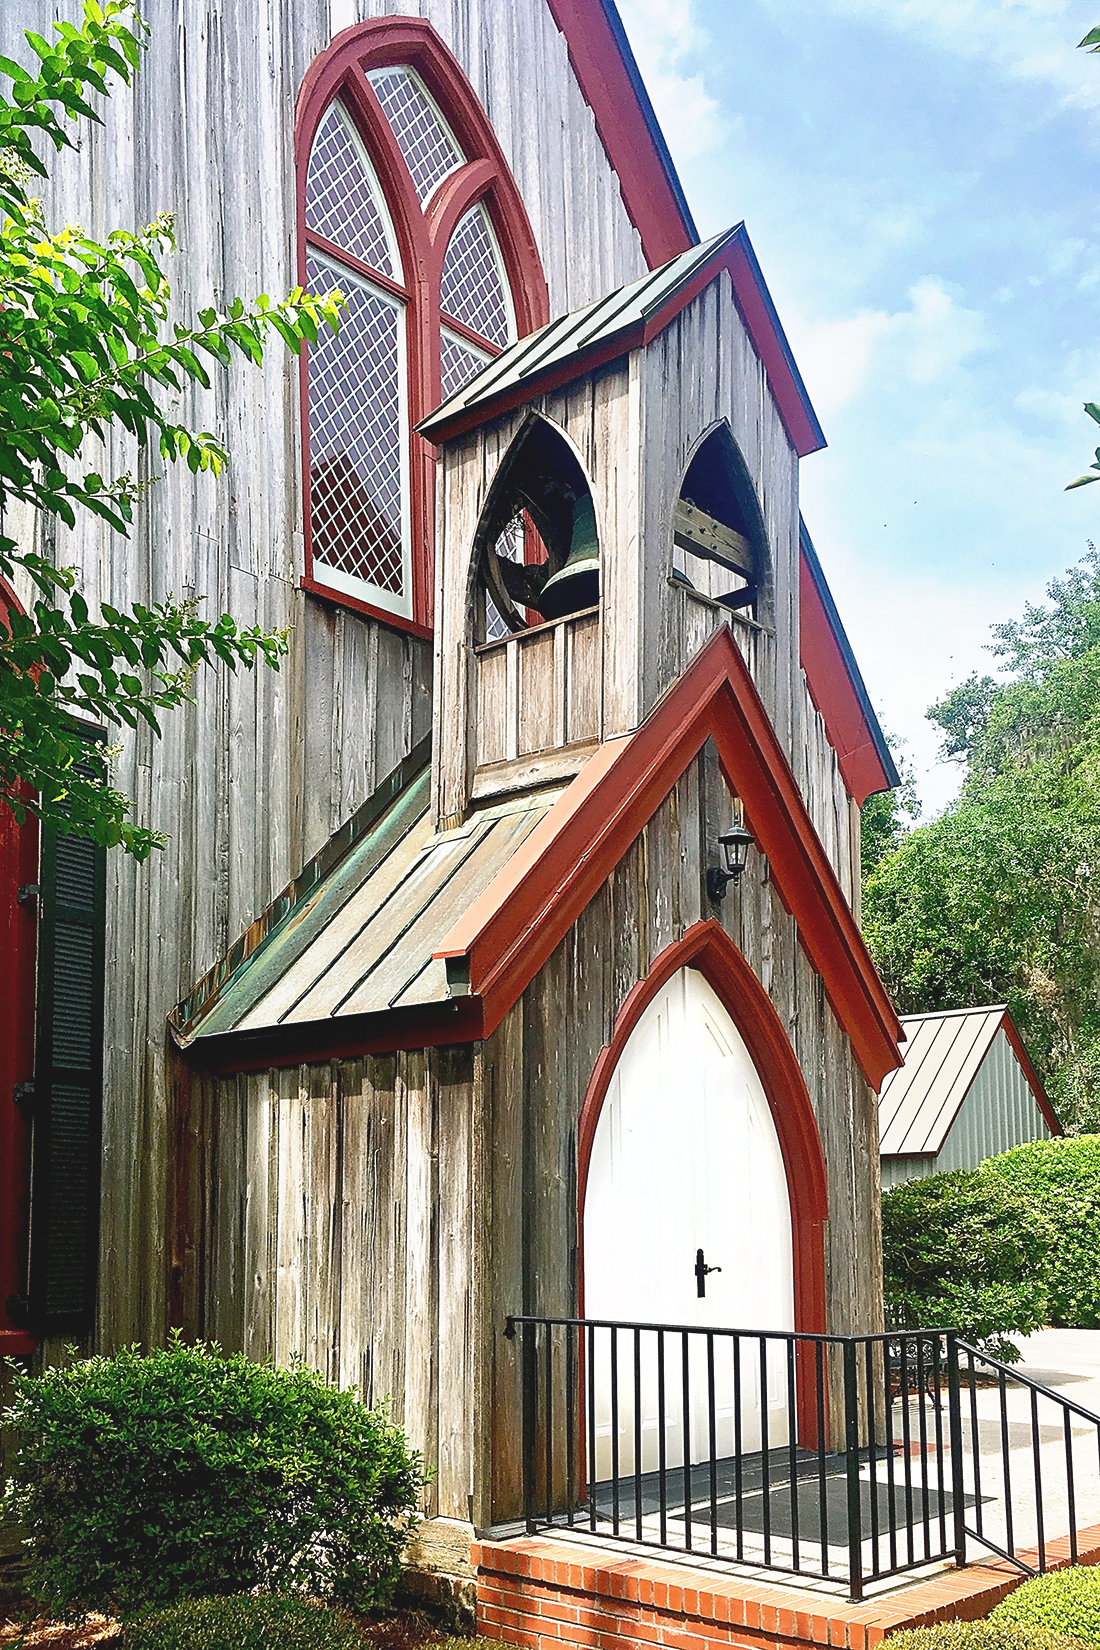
point(919, 1102)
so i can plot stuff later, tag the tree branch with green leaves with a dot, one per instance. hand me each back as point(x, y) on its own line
point(87, 346)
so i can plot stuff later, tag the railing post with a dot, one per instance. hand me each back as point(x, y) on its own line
point(530, 1378)
point(954, 1416)
point(851, 1451)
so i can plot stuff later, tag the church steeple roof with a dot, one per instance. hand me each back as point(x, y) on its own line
point(625, 319)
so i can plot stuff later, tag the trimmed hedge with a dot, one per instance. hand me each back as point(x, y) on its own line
point(960, 1250)
point(144, 1480)
point(989, 1634)
point(244, 1624)
point(1066, 1601)
point(1060, 1180)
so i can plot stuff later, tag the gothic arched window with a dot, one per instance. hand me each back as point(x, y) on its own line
point(407, 204)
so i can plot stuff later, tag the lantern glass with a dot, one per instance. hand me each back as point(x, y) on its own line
point(735, 849)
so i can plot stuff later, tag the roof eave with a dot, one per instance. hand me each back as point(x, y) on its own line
point(428, 1025)
point(514, 926)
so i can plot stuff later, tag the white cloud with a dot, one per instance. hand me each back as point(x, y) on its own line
point(923, 345)
point(1025, 39)
point(662, 33)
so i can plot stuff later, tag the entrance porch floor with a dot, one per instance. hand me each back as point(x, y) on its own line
point(573, 1589)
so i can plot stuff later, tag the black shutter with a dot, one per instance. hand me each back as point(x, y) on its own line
point(68, 1084)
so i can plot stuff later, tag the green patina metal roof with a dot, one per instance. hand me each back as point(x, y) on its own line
point(572, 338)
point(355, 935)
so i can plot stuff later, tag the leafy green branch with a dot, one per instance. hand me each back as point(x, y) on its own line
point(1093, 471)
point(87, 345)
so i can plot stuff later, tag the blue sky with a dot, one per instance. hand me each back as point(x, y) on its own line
point(918, 178)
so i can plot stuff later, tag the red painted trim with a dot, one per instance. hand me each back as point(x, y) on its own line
point(624, 131)
point(339, 599)
point(1008, 1026)
point(832, 692)
point(754, 305)
point(513, 927)
point(758, 313)
point(707, 947)
point(422, 241)
point(18, 944)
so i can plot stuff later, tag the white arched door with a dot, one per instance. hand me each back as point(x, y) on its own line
point(686, 1158)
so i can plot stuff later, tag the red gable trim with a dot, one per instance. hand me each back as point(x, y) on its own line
point(511, 930)
point(1037, 1089)
point(834, 694)
point(656, 208)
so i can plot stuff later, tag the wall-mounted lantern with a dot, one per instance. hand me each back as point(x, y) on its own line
point(735, 845)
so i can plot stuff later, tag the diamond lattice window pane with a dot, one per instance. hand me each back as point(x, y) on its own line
point(423, 136)
point(472, 288)
point(458, 362)
point(510, 545)
point(357, 459)
point(343, 198)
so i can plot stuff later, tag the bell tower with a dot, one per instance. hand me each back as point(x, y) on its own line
point(612, 489)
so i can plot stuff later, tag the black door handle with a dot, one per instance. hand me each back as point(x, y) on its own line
point(701, 1270)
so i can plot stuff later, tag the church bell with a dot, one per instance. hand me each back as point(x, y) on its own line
point(576, 585)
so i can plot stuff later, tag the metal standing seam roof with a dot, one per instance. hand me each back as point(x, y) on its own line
point(943, 1055)
point(570, 338)
point(362, 942)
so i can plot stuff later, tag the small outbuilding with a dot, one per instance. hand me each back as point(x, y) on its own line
point(967, 1091)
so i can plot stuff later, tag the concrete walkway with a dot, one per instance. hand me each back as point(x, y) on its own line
point(1035, 1497)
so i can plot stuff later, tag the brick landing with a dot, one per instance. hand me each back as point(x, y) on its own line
point(547, 1594)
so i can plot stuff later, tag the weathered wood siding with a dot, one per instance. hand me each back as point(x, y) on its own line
point(599, 417)
point(383, 1217)
point(537, 1079)
point(251, 779)
point(701, 370)
point(835, 815)
point(636, 426)
point(335, 1212)
point(538, 691)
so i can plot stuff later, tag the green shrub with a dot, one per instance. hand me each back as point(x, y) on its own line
point(144, 1480)
point(244, 1624)
point(959, 1250)
point(1060, 1179)
point(990, 1634)
point(1067, 1601)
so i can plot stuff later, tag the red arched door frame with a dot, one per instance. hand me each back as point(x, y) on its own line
point(18, 932)
point(707, 947)
point(423, 235)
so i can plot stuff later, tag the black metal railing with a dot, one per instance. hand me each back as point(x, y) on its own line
point(848, 1458)
point(1030, 1461)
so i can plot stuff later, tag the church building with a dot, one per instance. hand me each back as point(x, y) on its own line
point(504, 958)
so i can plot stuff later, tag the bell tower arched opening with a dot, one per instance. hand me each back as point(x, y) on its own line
point(719, 537)
point(537, 553)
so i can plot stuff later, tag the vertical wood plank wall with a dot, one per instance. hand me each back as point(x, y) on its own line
point(335, 1211)
point(383, 1217)
point(251, 779)
point(636, 426)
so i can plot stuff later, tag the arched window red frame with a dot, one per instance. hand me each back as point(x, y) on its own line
point(422, 233)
